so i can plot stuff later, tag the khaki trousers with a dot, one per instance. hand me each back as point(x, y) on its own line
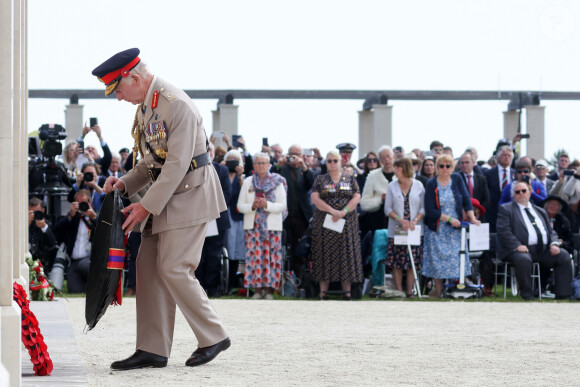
point(166, 266)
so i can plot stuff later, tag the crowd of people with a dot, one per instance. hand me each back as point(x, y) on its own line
point(275, 199)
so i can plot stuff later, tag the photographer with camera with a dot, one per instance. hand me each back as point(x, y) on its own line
point(299, 179)
point(90, 151)
point(41, 240)
point(90, 180)
point(76, 231)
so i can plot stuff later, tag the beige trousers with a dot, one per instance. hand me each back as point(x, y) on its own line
point(166, 266)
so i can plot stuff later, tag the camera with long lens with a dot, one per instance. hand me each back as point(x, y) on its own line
point(83, 207)
point(88, 177)
point(56, 275)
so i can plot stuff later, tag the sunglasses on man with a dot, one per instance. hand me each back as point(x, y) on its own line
point(521, 191)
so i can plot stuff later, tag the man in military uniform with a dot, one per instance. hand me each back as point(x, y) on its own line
point(184, 196)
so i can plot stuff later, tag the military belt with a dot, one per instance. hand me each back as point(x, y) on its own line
point(196, 162)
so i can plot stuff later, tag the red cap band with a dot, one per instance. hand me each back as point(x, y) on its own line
point(122, 72)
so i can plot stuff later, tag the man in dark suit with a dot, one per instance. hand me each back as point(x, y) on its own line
point(208, 271)
point(497, 178)
point(476, 183)
point(76, 231)
point(299, 179)
point(114, 167)
point(525, 235)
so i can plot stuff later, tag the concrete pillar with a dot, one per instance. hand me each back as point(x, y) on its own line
point(10, 320)
point(215, 115)
point(535, 122)
point(383, 125)
point(20, 191)
point(511, 120)
point(225, 119)
point(365, 132)
point(73, 121)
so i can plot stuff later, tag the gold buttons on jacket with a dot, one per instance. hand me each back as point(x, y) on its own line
point(186, 186)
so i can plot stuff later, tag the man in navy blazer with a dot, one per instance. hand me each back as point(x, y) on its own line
point(525, 235)
point(478, 181)
point(496, 182)
point(209, 269)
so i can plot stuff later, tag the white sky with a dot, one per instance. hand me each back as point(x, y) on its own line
point(382, 45)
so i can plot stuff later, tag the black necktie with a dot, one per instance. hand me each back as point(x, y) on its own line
point(538, 233)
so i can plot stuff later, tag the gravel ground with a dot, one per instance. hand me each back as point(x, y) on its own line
point(297, 343)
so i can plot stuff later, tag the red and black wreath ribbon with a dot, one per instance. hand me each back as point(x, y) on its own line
point(31, 336)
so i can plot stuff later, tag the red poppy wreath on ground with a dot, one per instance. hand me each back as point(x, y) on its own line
point(31, 336)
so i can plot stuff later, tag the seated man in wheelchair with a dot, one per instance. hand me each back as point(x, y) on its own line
point(525, 235)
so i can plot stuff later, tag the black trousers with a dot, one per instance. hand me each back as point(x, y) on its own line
point(295, 227)
point(209, 268)
point(76, 275)
point(522, 263)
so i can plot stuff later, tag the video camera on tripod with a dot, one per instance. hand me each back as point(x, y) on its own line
point(46, 170)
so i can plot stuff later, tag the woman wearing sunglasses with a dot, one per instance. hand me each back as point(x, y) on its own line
point(371, 163)
point(446, 198)
point(336, 255)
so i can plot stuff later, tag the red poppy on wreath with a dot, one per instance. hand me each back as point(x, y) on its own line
point(258, 253)
point(266, 252)
point(266, 271)
point(258, 280)
point(277, 275)
point(277, 239)
point(278, 266)
point(258, 271)
point(266, 262)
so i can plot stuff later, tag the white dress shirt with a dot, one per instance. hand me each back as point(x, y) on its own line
point(532, 236)
point(500, 170)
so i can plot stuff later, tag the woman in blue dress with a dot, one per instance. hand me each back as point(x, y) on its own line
point(446, 198)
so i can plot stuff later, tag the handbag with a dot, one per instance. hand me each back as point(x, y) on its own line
point(290, 285)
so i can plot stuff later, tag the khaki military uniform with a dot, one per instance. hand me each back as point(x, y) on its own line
point(181, 203)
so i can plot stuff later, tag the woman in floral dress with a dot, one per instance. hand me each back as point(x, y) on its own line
point(336, 255)
point(404, 205)
point(446, 197)
point(263, 202)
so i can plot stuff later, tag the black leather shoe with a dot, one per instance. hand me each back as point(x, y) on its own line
point(140, 359)
point(207, 354)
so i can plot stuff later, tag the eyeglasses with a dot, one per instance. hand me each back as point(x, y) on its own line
point(448, 166)
point(520, 191)
point(373, 160)
point(332, 161)
point(524, 171)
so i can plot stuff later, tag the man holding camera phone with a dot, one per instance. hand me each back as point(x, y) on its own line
point(76, 230)
point(299, 179)
point(90, 152)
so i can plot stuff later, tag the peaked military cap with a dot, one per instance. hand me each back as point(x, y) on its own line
point(110, 71)
point(346, 147)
